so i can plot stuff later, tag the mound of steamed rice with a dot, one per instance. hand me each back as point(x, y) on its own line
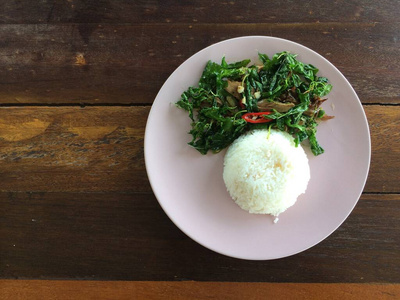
point(265, 172)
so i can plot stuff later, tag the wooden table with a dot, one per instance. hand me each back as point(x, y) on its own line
point(78, 216)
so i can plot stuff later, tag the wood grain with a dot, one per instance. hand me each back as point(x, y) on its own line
point(384, 123)
point(73, 149)
point(29, 289)
point(127, 236)
point(100, 149)
point(128, 63)
point(256, 11)
point(77, 80)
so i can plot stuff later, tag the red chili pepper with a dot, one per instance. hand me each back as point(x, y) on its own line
point(258, 117)
point(241, 103)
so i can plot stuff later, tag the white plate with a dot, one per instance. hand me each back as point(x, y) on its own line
point(190, 188)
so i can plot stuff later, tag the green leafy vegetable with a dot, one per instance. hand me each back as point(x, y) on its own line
point(289, 89)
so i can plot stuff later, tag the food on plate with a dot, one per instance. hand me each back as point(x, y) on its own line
point(264, 171)
point(281, 93)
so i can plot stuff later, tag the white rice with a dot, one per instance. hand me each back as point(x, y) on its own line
point(265, 172)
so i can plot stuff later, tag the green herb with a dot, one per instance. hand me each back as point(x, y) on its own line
point(289, 89)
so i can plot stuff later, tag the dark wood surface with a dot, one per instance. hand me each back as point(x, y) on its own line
point(77, 80)
point(127, 64)
point(126, 236)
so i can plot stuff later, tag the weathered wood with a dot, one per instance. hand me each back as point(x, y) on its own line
point(73, 149)
point(100, 149)
point(127, 236)
point(114, 63)
point(384, 174)
point(48, 289)
point(75, 200)
point(167, 11)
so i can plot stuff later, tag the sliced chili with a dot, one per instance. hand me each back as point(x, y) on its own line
point(257, 117)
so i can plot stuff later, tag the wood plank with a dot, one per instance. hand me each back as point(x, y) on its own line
point(73, 149)
point(100, 149)
point(384, 123)
point(123, 63)
point(256, 11)
point(127, 236)
point(44, 289)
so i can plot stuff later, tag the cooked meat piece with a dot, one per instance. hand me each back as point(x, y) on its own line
point(232, 89)
point(289, 96)
point(326, 117)
point(265, 105)
point(315, 104)
point(311, 112)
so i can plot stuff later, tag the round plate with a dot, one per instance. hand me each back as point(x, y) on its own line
point(190, 188)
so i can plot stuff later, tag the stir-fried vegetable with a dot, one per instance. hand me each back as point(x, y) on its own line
point(282, 93)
